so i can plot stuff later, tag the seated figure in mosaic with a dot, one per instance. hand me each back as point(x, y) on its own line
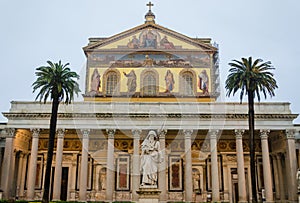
point(150, 159)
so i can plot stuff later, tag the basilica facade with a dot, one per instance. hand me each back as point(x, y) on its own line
point(150, 80)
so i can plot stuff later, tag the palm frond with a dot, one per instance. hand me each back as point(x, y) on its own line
point(248, 75)
point(56, 80)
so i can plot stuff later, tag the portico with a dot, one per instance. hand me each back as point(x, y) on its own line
point(211, 152)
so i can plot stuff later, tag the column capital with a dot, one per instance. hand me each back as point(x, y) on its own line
point(35, 132)
point(239, 133)
point(111, 133)
point(85, 133)
point(290, 133)
point(213, 134)
point(187, 133)
point(136, 133)
point(264, 134)
point(10, 132)
point(162, 133)
point(61, 133)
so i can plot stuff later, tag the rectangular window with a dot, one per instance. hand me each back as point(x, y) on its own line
point(123, 173)
point(175, 173)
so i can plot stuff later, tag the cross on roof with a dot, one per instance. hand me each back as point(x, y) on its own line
point(150, 5)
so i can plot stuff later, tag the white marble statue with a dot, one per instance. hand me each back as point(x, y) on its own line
point(150, 159)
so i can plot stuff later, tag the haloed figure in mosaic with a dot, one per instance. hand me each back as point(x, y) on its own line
point(131, 81)
point(203, 82)
point(95, 82)
point(150, 159)
point(169, 78)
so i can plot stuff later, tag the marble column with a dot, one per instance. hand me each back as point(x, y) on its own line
point(162, 166)
point(266, 165)
point(188, 181)
point(84, 164)
point(58, 164)
point(136, 133)
point(7, 170)
point(280, 177)
point(240, 165)
point(110, 171)
point(33, 164)
point(214, 166)
point(276, 180)
point(291, 166)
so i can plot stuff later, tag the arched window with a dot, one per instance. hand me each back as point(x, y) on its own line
point(149, 84)
point(111, 83)
point(187, 83)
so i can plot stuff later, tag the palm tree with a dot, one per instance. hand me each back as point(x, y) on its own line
point(57, 82)
point(251, 78)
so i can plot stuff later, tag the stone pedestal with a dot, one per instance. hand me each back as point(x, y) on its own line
point(148, 194)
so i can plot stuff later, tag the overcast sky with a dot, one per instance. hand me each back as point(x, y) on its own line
point(33, 32)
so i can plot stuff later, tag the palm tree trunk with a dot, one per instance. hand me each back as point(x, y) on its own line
point(252, 144)
point(52, 132)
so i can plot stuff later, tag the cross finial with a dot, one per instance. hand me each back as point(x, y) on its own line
point(150, 5)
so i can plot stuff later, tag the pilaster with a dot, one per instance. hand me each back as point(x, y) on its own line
point(276, 179)
point(22, 177)
point(280, 177)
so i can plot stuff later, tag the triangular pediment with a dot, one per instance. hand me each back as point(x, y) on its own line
point(149, 37)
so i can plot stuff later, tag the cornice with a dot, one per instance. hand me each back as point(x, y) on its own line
point(35, 116)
